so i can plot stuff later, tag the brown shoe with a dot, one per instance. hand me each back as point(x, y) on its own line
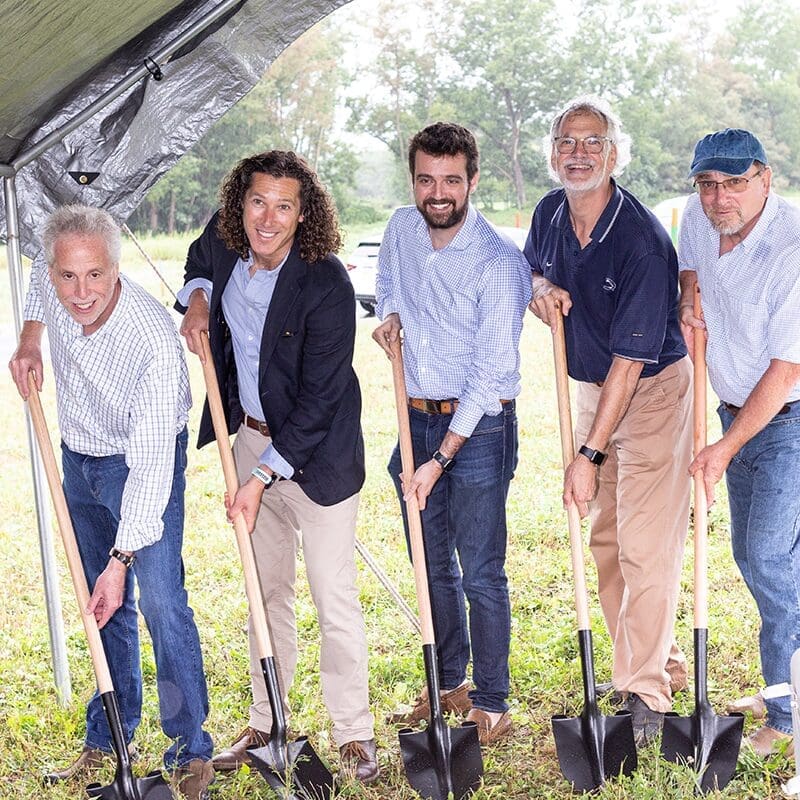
point(358, 761)
point(236, 755)
point(89, 760)
point(754, 704)
point(455, 701)
point(193, 779)
point(489, 733)
point(766, 741)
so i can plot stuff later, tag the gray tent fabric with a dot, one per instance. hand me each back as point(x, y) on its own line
point(133, 141)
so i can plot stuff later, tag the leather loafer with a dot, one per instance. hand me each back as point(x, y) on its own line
point(489, 732)
point(454, 701)
point(193, 779)
point(234, 756)
point(754, 704)
point(90, 760)
point(766, 741)
point(358, 760)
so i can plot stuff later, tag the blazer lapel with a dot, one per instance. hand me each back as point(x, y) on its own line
point(287, 290)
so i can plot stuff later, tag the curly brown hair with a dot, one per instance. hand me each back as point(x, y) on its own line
point(318, 233)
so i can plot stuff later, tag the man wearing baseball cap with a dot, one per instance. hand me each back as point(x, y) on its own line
point(741, 244)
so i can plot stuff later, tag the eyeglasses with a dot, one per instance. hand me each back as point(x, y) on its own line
point(735, 185)
point(591, 144)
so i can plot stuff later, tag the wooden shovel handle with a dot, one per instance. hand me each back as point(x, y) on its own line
point(567, 457)
point(99, 661)
point(412, 505)
point(252, 587)
point(700, 499)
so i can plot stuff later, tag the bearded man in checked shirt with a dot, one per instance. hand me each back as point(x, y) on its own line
point(741, 243)
point(123, 398)
point(459, 290)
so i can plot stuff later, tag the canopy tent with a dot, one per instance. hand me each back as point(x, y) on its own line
point(97, 101)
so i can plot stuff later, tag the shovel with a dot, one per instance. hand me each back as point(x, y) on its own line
point(440, 761)
point(284, 765)
point(706, 741)
point(591, 747)
point(124, 786)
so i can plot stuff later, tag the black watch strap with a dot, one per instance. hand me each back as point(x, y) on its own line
point(443, 461)
point(595, 456)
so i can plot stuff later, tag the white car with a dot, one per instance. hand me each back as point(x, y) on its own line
point(362, 265)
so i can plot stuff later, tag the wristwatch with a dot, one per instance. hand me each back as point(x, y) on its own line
point(264, 476)
point(595, 456)
point(124, 558)
point(443, 461)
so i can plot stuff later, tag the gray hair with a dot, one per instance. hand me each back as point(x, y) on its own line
point(77, 220)
point(596, 106)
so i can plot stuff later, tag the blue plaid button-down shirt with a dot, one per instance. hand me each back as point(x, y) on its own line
point(461, 309)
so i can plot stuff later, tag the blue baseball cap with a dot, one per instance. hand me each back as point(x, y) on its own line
point(731, 151)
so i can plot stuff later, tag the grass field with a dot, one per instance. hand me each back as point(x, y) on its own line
point(36, 734)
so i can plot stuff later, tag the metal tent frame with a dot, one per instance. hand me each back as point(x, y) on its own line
point(128, 118)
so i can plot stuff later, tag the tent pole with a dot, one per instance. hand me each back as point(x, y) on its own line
point(58, 649)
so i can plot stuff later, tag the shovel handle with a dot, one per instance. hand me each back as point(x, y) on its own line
point(567, 457)
point(99, 661)
point(700, 498)
point(252, 587)
point(412, 504)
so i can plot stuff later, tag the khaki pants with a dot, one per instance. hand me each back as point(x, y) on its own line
point(638, 529)
point(287, 517)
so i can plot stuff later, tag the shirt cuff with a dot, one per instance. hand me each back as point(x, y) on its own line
point(276, 462)
point(467, 417)
point(195, 283)
point(131, 539)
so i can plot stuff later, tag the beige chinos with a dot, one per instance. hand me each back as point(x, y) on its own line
point(639, 521)
point(287, 518)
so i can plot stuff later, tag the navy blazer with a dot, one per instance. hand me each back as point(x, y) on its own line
point(309, 391)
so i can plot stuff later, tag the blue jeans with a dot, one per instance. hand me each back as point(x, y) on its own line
point(93, 487)
point(764, 492)
point(466, 515)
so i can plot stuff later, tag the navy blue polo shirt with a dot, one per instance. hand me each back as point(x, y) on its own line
point(623, 284)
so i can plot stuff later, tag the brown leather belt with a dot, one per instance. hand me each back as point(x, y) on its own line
point(257, 425)
point(438, 406)
point(734, 410)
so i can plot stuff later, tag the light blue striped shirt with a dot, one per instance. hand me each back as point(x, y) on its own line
point(750, 295)
point(461, 309)
point(245, 303)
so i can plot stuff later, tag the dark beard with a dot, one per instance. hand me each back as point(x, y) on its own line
point(455, 217)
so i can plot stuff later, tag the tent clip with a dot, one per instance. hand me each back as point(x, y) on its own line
point(153, 68)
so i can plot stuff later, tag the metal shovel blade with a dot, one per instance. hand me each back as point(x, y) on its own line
point(706, 742)
point(295, 767)
point(593, 747)
point(125, 787)
point(442, 760)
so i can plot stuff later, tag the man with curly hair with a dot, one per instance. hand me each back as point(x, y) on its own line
point(279, 310)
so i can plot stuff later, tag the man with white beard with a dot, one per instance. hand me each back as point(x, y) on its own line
point(741, 243)
point(603, 260)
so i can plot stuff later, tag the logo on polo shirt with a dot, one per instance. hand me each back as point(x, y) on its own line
point(609, 285)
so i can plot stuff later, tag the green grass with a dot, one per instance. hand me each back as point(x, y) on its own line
point(36, 734)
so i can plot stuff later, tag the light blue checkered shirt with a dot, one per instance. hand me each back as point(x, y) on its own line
point(461, 309)
point(750, 296)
